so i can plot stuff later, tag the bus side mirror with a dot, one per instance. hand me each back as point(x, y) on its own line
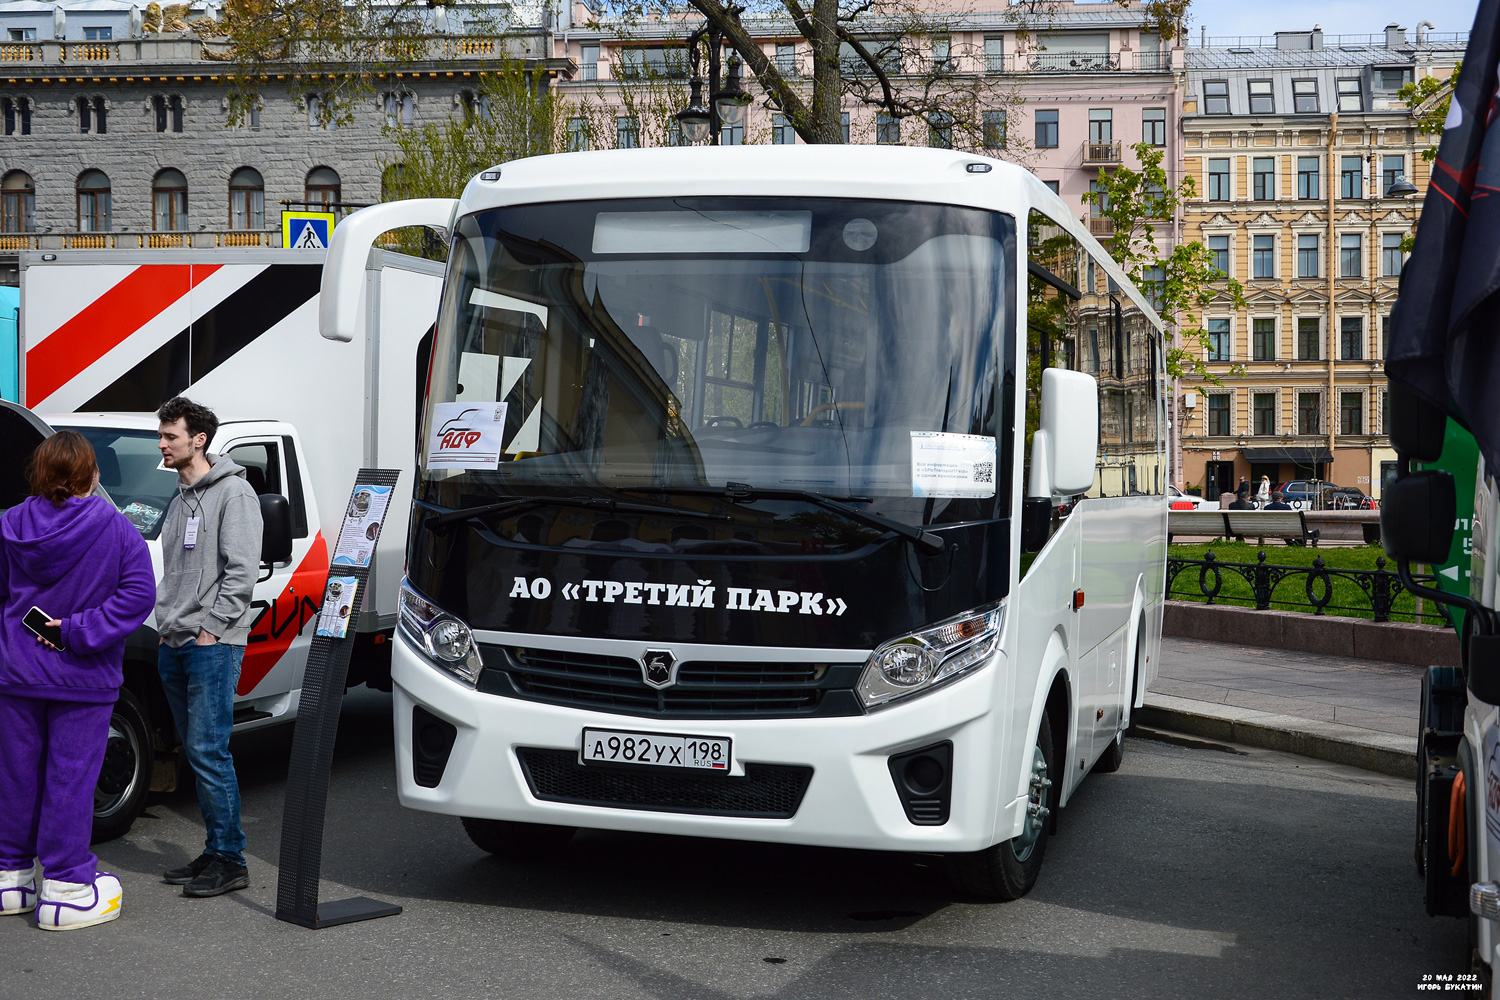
point(1417, 427)
point(342, 293)
point(1416, 517)
point(276, 529)
point(1065, 447)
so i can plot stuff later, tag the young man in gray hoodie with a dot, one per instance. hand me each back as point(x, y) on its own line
point(210, 543)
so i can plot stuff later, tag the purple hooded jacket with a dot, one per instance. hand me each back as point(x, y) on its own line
point(85, 564)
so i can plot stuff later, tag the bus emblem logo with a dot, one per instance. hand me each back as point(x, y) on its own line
point(659, 669)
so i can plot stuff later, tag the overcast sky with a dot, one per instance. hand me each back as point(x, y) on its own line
point(1337, 17)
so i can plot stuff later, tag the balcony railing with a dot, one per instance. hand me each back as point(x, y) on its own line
point(1153, 59)
point(1097, 153)
point(588, 72)
point(177, 48)
point(994, 62)
point(1074, 62)
point(1101, 225)
point(786, 65)
point(141, 240)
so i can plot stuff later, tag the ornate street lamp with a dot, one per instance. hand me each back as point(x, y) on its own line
point(1402, 188)
point(695, 119)
point(727, 104)
point(732, 101)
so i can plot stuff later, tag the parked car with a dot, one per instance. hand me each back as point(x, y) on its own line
point(1351, 498)
point(1178, 500)
point(1308, 494)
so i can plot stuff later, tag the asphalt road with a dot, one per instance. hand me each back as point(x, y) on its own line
point(1189, 873)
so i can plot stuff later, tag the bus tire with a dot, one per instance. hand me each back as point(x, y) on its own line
point(519, 840)
point(1008, 870)
point(125, 774)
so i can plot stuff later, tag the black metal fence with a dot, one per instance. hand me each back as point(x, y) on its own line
point(1379, 587)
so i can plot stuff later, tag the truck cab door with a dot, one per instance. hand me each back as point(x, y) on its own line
point(286, 594)
point(20, 432)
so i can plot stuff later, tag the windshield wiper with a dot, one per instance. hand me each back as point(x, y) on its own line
point(438, 520)
point(925, 540)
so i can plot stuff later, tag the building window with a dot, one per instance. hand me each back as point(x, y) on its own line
point(17, 203)
point(1153, 284)
point(844, 125)
point(1261, 101)
point(1218, 340)
point(994, 130)
point(323, 187)
point(104, 34)
point(1307, 177)
point(169, 202)
point(1305, 96)
point(1392, 169)
point(1390, 254)
point(23, 34)
point(1218, 179)
point(1351, 177)
point(1385, 423)
point(1392, 79)
point(94, 202)
point(1216, 97)
point(17, 112)
point(1101, 126)
point(248, 109)
point(786, 58)
point(1263, 178)
point(887, 129)
point(674, 134)
point(476, 106)
point(1263, 412)
point(1263, 339)
point(92, 113)
point(1218, 248)
point(247, 199)
point(729, 135)
point(1352, 338)
point(1102, 205)
point(782, 133)
point(1052, 186)
point(1218, 414)
point(1351, 413)
point(1046, 129)
point(1307, 256)
point(1263, 256)
point(628, 133)
point(1351, 95)
point(1351, 249)
point(320, 117)
point(994, 53)
point(1385, 336)
point(1154, 126)
point(1309, 338)
point(940, 130)
point(942, 53)
point(578, 135)
point(1309, 413)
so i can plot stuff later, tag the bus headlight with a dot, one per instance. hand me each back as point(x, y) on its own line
point(445, 640)
point(924, 660)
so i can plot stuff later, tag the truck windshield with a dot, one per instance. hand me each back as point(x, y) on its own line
point(131, 473)
point(836, 346)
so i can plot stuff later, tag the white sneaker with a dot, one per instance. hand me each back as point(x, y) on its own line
point(67, 906)
point(18, 891)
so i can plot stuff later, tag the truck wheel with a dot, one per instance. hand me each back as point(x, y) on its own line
point(519, 840)
point(125, 775)
point(1008, 870)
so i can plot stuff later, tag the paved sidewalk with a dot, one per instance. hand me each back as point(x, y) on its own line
point(1358, 712)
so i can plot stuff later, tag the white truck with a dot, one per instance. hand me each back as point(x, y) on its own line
point(107, 336)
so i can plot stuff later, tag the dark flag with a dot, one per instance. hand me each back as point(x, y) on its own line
point(1445, 329)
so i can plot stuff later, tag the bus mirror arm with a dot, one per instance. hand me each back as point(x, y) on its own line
point(342, 294)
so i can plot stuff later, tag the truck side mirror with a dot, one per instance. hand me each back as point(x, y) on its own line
point(1416, 517)
point(342, 293)
point(276, 529)
point(1484, 667)
point(1065, 447)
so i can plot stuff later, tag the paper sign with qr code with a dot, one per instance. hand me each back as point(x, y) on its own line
point(952, 465)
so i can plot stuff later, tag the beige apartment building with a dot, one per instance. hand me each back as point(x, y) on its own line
point(1294, 141)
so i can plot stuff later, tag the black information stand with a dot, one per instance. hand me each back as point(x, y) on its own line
point(312, 757)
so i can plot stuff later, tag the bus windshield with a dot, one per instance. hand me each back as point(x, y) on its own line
point(836, 346)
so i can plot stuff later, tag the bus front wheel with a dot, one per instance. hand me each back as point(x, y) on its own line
point(1008, 870)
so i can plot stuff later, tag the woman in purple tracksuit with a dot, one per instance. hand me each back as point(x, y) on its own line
point(77, 559)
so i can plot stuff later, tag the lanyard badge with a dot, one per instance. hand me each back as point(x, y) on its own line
point(190, 536)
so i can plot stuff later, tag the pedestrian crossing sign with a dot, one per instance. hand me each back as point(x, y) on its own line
point(306, 230)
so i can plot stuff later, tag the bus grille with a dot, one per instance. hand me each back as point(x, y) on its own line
point(705, 689)
point(767, 791)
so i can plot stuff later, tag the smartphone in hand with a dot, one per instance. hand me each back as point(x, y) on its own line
point(36, 623)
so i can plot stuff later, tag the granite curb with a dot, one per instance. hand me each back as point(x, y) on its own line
point(1386, 753)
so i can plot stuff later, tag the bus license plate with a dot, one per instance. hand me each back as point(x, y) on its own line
point(611, 746)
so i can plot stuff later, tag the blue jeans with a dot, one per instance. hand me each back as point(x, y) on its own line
point(199, 682)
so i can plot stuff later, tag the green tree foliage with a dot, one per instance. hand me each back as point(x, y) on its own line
point(1180, 280)
point(1428, 99)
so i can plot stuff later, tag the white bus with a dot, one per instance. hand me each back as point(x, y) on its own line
point(800, 494)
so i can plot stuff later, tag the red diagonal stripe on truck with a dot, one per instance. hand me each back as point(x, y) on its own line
point(104, 323)
point(293, 610)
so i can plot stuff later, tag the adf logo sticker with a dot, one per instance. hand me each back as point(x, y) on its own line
point(466, 435)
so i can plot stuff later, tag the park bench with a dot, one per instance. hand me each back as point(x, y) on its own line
point(1290, 525)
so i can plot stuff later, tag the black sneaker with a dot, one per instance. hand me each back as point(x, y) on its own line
point(218, 877)
point(188, 872)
